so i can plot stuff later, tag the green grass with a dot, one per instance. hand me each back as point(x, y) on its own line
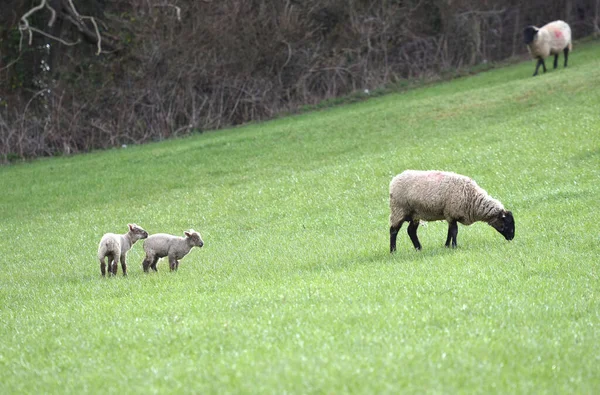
point(295, 290)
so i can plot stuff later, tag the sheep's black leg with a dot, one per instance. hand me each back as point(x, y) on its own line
point(540, 62)
point(555, 60)
point(393, 235)
point(146, 264)
point(452, 232)
point(102, 267)
point(566, 55)
point(172, 263)
point(412, 233)
point(114, 267)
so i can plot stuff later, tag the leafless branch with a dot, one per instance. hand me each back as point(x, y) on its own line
point(24, 24)
point(177, 9)
point(60, 40)
point(79, 18)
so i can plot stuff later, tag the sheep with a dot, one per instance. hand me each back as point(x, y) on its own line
point(161, 245)
point(436, 195)
point(115, 247)
point(549, 39)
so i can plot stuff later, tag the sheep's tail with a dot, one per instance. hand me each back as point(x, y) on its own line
point(570, 46)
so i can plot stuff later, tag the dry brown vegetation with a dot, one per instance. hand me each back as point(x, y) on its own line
point(128, 71)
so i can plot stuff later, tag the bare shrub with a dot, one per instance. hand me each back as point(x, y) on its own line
point(138, 71)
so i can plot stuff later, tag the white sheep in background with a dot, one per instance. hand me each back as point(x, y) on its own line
point(115, 247)
point(435, 195)
point(163, 245)
point(551, 38)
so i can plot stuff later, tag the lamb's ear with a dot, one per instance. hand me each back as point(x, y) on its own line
point(188, 234)
point(131, 226)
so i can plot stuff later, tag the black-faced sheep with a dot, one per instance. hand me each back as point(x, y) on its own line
point(435, 195)
point(551, 38)
point(163, 245)
point(115, 247)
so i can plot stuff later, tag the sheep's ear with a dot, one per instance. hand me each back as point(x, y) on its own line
point(131, 226)
point(188, 234)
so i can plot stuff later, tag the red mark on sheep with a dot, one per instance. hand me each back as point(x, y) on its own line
point(436, 176)
point(558, 34)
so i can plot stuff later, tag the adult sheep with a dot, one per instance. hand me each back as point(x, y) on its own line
point(115, 247)
point(550, 39)
point(437, 195)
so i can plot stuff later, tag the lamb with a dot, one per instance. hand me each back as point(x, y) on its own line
point(115, 247)
point(436, 195)
point(549, 39)
point(161, 245)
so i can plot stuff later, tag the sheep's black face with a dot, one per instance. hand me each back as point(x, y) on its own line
point(529, 34)
point(505, 225)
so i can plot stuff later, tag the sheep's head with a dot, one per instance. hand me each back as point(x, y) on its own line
point(529, 34)
point(194, 237)
point(137, 232)
point(505, 224)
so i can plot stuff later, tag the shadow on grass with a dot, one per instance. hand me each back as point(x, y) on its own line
point(371, 257)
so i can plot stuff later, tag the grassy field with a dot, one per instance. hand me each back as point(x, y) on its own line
point(295, 290)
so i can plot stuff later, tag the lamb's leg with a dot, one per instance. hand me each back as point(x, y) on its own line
point(153, 264)
point(109, 264)
point(102, 267)
point(566, 51)
point(172, 263)
point(555, 60)
point(114, 266)
point(146, 264)
point(412, 233)
point(452, 232)
point(123, 265)
point(394, 229)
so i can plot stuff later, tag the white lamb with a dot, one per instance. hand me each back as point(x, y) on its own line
point(162, 245)
point(115, 247)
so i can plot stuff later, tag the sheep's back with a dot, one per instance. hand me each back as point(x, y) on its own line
point(558, 36)
point(158, 242)
point(427, 195)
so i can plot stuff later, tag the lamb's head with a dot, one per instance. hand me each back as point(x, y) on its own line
point(505, 224)
point(529, 34)
point(137, 232)
point(194, 238)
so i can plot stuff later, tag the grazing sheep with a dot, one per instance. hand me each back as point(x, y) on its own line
point(161, 245)
point(435, 195)
point(115, 247)
point(549, 39)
